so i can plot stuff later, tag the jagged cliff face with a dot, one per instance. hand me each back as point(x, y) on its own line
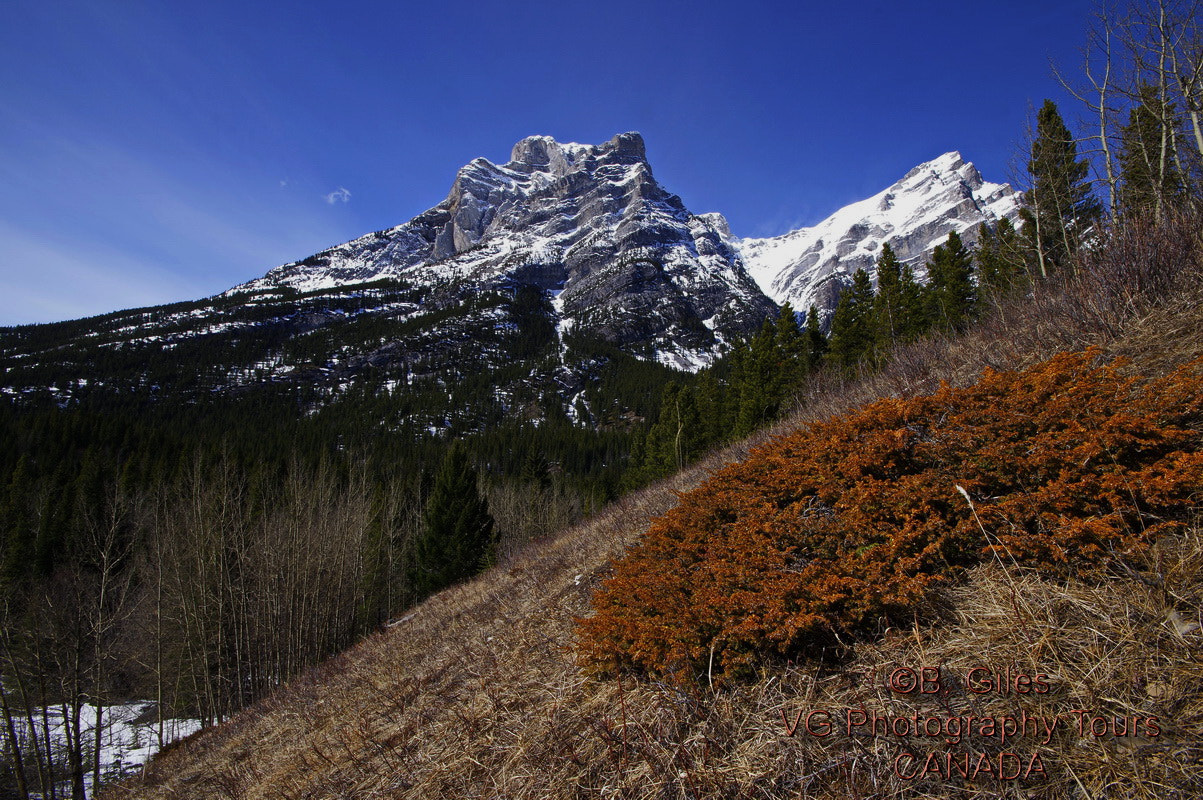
point(622, 257)
point(810, 265)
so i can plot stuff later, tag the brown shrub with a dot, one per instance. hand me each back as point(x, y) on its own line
point(1071, 466)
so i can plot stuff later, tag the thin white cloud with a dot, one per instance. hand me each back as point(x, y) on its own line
point(339, 196)
point(115, 229)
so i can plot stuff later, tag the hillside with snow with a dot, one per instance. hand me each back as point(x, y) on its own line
point(808, 265)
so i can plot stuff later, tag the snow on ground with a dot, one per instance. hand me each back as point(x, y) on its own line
point(684, 358)
point(570, 408)
point(563, 324)
point(129, 737)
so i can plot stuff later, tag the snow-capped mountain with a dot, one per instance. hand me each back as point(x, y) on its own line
point(809, 265)
point(517, 295)
point(623, 257)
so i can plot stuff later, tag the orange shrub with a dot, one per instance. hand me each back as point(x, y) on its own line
point(1070, 465)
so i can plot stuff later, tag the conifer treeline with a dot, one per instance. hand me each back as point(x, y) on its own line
point(758, 379)
point(217, 525)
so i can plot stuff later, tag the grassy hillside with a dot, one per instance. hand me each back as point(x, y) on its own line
point(479, 693)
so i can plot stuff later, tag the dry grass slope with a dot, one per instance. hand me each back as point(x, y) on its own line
point(476, 694)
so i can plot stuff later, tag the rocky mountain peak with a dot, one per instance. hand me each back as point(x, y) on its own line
point(950, 162)
point(623, 257)
point(627, 148)
point(545, 154)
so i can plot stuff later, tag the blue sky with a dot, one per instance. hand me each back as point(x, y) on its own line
point(161, 151)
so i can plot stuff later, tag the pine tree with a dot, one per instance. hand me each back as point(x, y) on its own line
point(677, 436)
point(1061, 207)
point(536, 470)
point(815, 340)
point(913, 314)
point(999, 259)
point(17, 533)
point(852, 324)
point(790, 353)
point(457, 536)
point(708, 393)
point(52, 538)
point(374, 601)
point(951, 293)
point(890, 307)
point(758, 399)
point(636, 472)
point(737, 361)
point(1149, 180)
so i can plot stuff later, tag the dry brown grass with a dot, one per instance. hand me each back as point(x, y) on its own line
point(476, 693)
point(477, 696)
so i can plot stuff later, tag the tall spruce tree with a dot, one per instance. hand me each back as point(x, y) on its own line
point(913, 294)
point(889, 307)
point(852, 324)
point(897, 308)
point(374, 600)
point(758, 385)
point(815, 340)
point(950, 291)
point(790, 353)
point(677, 437)
point(457, 534)
point(999, 259)
point(709, 398)
point(730, 400)
point(17, 534)
point(1061, 207)
point(1149, 180)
